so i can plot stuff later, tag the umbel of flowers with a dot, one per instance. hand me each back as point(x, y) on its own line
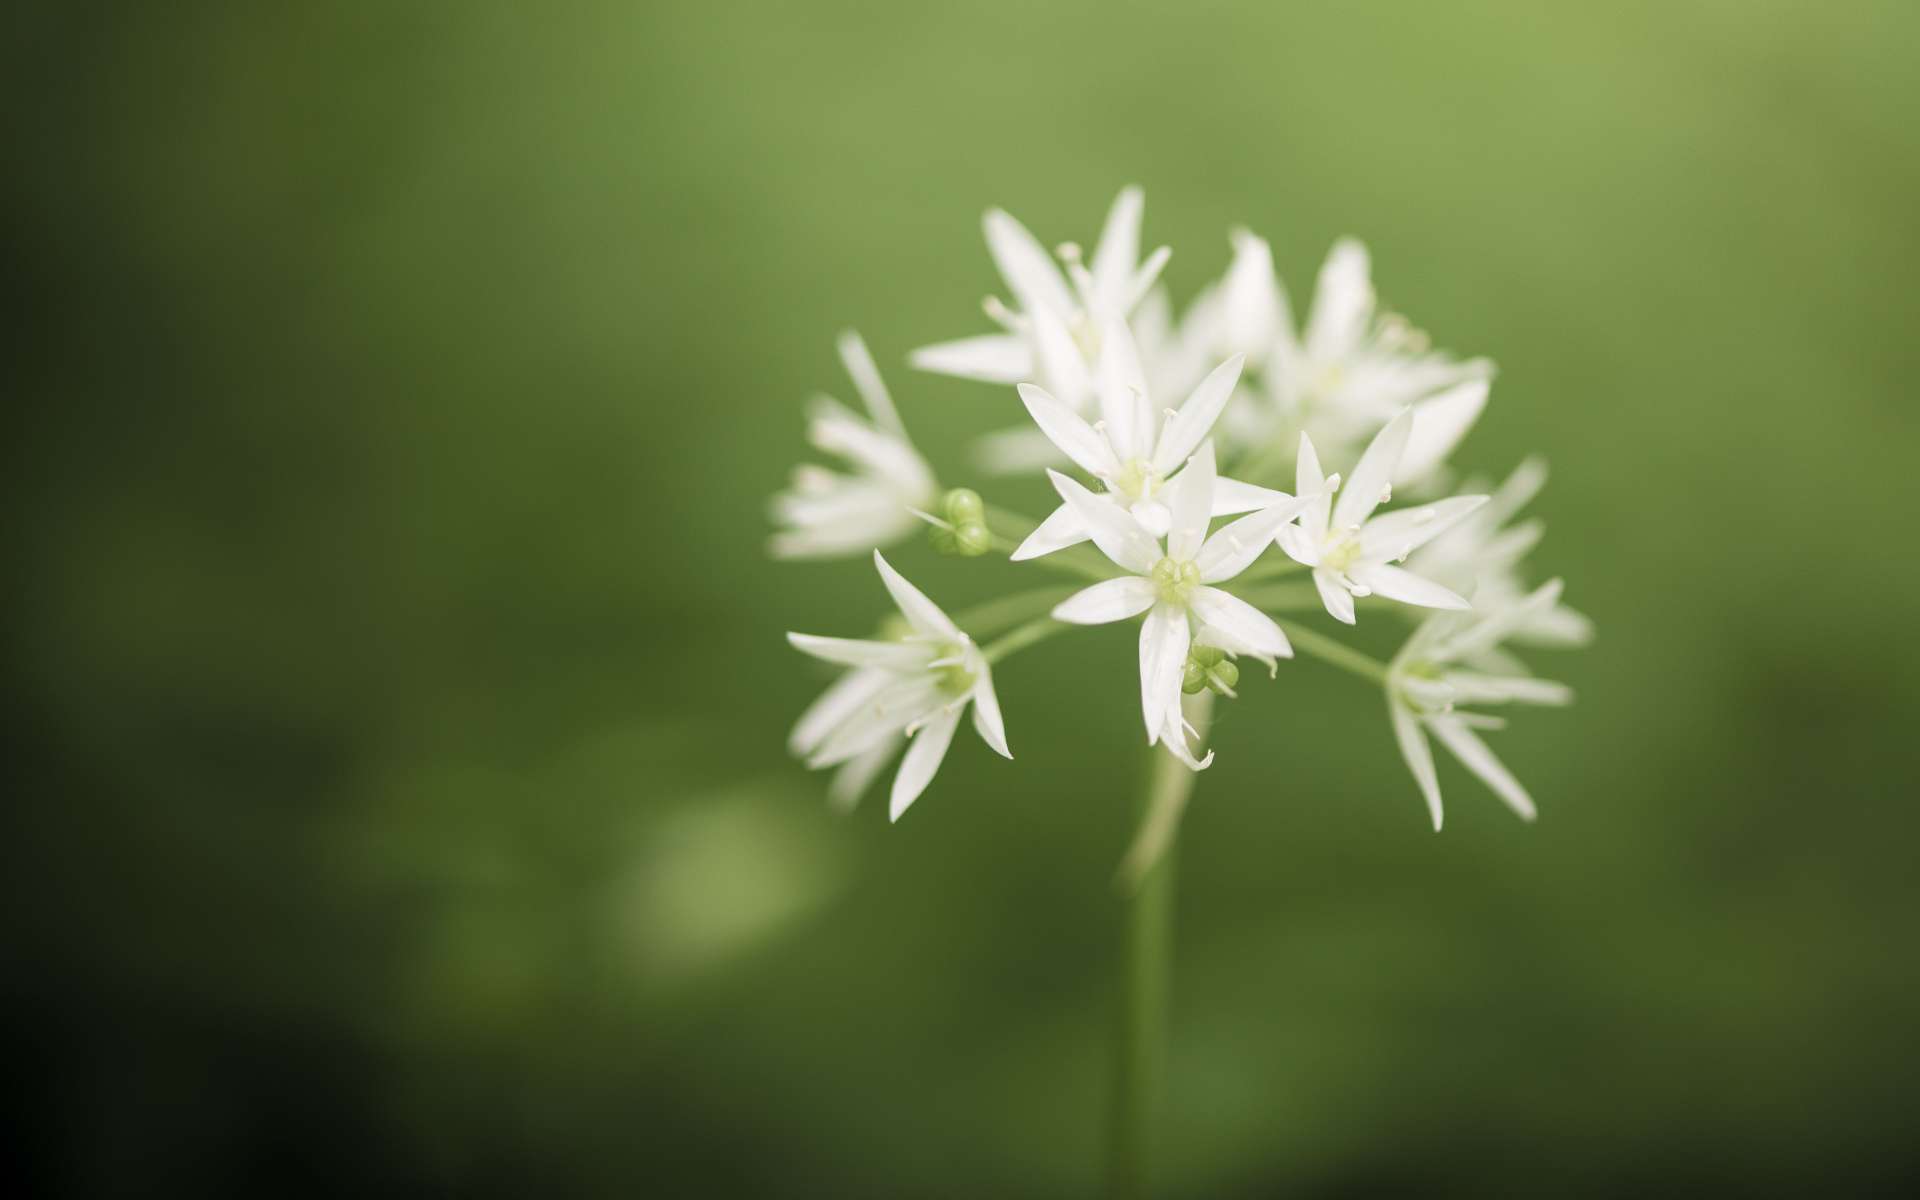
point(1170, 440)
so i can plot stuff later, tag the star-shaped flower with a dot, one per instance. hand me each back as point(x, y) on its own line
point(1455, 659)
point(914, 687)
point(829, 514)
point(1481, 555)
point(1174, 585)
point(1352, 552)
point(1132, 450)
point(1053, 327)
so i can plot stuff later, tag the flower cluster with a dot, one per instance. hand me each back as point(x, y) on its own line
point(1150, 427)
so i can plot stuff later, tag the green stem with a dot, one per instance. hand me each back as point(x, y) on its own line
point(1147, 885)
point(995, 615)
point(1021, 638)
point(1326, 649)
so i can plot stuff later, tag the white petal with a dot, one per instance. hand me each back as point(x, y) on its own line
point(1439, 422)
point(1112, 529)
point(866, 380)
point(987, 721)
point(1476, 757)
point(1154, 517)
point(1189, 500)
point(921, 613)
point(1419, 755)
point(991, 358)
point(1342, 303)
point(1252, 305)
point(1334, 595)
point(1119, 248)
point(836, 430)
point(1164, 640)
point(1062, 366)
point(1309, 480)
point(1520, 487)
point(1122, 388)
point(1230, 550)
point(835, 705)
point(1143, 279)
point(857, 652)
point(924, 755)
point(1232, 496)
point(855, 775)
point(1111, 600)
point(1392, 536)
point(1497, 625)
point(899, 704)
point(1367, 486)
point(1185, 429)
point(1246, 628)
point(1067, 430)
point(1473, 688)
point(1398, 583)
point(1061, 529)
point(1295, 543)
point(1173, 739)
point(1030, 272)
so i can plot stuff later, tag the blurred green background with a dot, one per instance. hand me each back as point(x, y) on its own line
point(399, 689)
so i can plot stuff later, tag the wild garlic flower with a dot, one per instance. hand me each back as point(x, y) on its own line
point(1352, 552)
point(829, 514)
point(1349, 370)
point(1481, 555)
point(914, 686)
point(1052, 329)
point(1132, 450)
point(1174, 585)
point(1455, 659)
point(1352, 400)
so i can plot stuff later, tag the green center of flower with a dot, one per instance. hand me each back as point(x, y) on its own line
point(1328, 379)
point(952, 674)
point(1342, 549)
point(1175, 580)
point(1137, 479)
point(1086, 335)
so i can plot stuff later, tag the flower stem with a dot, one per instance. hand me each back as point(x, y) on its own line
point(1026, 635)
point(1326, 649)
point(1146, 880)
point(998, 614)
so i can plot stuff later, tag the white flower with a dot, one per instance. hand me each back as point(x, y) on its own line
point(1131, 449)
point(829, 514)
point(1481, 555)
point(1454, 659)
point(1173, 586)
point(912, 688)
point(1352, 552)
point(1350, 369)
point(1052, 329)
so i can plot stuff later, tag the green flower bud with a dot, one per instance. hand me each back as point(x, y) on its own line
point(963, 506)
point(1193, 679)
point(1208, 656)
point(1223, 675)
point(971, 538)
